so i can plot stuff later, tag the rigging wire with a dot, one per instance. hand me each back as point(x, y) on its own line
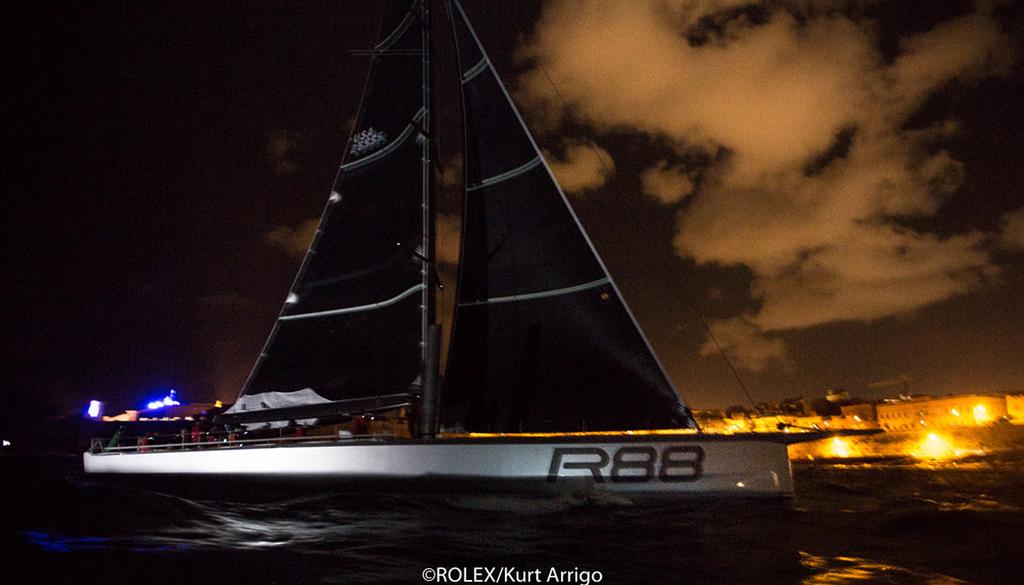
point(685, 296)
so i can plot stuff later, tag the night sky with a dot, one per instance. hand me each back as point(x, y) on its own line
point(836, 187)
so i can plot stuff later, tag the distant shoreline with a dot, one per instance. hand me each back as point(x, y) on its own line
point(947, 444)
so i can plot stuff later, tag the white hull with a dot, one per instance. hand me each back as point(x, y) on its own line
point(686, 464)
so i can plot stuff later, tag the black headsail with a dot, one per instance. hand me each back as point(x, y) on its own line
point(350, 336)
point(542, 339)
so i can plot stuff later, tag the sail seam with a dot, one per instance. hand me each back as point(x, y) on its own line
point(541, 294)
point(474, 70)
point(357, 309)
point(387, 149)
point(397, 33)
point(506, 175)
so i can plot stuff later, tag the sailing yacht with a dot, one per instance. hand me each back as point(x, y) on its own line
point(550, 382)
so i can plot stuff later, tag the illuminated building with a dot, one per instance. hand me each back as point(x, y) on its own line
point(126, 416)
point(923, 413)
point(962, 410)
point(167, 408)
point(861, 412)
point(1015, 408)
point(177, 411)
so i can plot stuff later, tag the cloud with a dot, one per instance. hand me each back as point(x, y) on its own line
point(874, 272)
point(666, 184)
point(281, 146)
point(814, 161)
point(293, 240)
point(745, 344)
point(1012, 234)
point(581, 170)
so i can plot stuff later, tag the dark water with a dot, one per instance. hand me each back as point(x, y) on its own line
point(866, 524)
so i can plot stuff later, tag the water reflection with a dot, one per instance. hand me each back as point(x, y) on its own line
point(855, 524)
point(853, 570)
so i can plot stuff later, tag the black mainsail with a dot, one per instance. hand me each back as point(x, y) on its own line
point(351, 334)
point(542, 339)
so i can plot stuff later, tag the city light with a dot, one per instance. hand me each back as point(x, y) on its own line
point(981, 413)
point(935, 446)
point(840, 448)
point(94, 409)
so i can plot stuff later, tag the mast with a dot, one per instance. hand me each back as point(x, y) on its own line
point(427, 251)
point(431, 334)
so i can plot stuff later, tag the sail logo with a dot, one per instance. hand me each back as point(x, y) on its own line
point(367, 141)
point(634, 464)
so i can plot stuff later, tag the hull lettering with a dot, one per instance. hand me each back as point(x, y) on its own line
point(633, 464)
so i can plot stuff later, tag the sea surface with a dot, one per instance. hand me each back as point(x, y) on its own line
point(878, 523)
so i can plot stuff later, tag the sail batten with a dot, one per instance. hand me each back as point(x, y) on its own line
point(398, 32)
point(506, 175)
point(475, 70)
point(540, 294)
point(385, 303)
